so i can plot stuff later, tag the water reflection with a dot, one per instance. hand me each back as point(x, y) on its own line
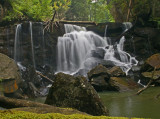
point(129, 105)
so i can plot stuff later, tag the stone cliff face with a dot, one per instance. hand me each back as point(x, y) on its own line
point(140, 41)
point(44, 44)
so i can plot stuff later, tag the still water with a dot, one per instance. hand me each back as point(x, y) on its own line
point(129, 105)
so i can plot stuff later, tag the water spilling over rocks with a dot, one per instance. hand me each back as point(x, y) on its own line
point(75, 51)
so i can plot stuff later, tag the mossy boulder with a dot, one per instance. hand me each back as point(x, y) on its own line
point(99, 78)
point(123, 83)
point(52, 109)
point(75, 92)
point(151, 63)
point(9, 74)
point(7, 114)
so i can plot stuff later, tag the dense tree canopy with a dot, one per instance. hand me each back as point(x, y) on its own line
point(80, 10)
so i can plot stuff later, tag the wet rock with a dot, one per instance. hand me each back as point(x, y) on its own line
point(151, 63)
point(75, 92)
point(99, 78)
point(99, 53)
point(31, 82)
point(123, 83)
point(98, 70)
point(135, 68)
point(9, 74)
point(116, 72)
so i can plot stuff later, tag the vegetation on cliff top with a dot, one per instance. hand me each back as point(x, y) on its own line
point(80, 10)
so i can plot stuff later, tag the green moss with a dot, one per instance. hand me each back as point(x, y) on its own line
point(28, 115)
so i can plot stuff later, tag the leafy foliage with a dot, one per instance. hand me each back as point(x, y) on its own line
point(43, 10)
point(139, 8)
point(99, 11)
point(38, 10)
point(86, 10)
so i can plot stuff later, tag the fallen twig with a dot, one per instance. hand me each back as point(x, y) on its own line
point(148, 85)
point(44, 76)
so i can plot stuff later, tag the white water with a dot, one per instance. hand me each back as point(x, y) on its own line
point(32, 45)
point(75, 47)
point(127, 25)
point(17, 44)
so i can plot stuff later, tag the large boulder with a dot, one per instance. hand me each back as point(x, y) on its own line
point(9, 74)
point(99, 78)
point(151, 63)
point(75, 92)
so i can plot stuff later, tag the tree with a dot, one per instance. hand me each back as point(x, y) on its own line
point(99, 11)
point(78, 11)
point(36, 10)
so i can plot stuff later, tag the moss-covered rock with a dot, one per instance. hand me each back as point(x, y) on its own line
point(75, 92)
point(9, 74)
point(123, 83)
point(28, 115)
point(149, 75)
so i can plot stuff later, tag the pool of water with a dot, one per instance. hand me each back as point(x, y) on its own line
point(127, 104)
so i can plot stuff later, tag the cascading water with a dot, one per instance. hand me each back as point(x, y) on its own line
point(127, 25)
point(17, 44)
point(32, 46)
point(76, 46)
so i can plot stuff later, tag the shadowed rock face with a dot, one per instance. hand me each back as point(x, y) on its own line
point(99, 78)
point(75, 92)
point(153, 62)
point(114, 79)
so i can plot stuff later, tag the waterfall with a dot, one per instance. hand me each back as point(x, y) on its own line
point(32, 45)
point(127, 25)
point(17, 44)
point(75, 48)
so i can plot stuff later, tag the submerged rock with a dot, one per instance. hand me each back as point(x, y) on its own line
point(75, 92)
point(9, 74)
point(99, 78)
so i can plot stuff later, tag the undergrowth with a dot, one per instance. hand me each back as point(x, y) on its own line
point(29, 115)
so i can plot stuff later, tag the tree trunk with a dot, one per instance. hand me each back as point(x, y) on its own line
point(129, 10)
point(35, 107)
point(16, 103)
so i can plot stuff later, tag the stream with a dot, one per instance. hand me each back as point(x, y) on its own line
point(127, 104)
